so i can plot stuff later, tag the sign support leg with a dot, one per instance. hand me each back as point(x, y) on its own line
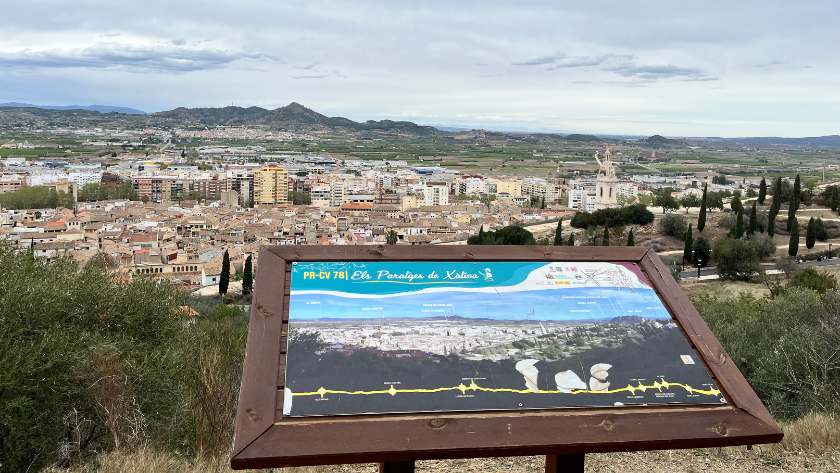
point(572, 463)
point(397, 467)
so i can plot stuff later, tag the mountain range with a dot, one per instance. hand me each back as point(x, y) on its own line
point(296, 117)
point(89, 108)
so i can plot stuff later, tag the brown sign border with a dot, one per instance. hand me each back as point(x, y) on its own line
point(264, 438)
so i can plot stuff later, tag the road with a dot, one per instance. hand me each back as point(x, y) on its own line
point(710, 272)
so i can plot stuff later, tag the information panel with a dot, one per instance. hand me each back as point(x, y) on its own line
point(439, 336)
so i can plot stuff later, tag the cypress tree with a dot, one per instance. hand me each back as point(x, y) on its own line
point(688, 240)
point(762, 191)
point(753, 221)
point(605, 239)
point(835, 198)
point(791, 214)
point(481, 234)
point(542, 203)
point(631, 240)
point(810, 233)
point(735, 204)
point(224, 278)
point(558, 234)
point(738, 230)
point(771, 221)
point(797, 193)
point(248, 276)
point(777, 191)
point(820, 230)
point(793, 243)
point(571, 240)
point(701, 219)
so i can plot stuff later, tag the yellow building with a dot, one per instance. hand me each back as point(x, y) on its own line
point(510, 187)
point(271, 185)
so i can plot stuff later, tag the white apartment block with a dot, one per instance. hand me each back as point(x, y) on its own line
point(436, 193)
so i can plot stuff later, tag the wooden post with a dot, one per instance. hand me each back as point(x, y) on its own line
point(572, 463)
point(397, 467)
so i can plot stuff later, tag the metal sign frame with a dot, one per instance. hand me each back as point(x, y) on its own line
point(265, 438)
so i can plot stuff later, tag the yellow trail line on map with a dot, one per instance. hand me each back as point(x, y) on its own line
point(473, 387)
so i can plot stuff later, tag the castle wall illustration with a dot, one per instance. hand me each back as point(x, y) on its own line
point(389, 337)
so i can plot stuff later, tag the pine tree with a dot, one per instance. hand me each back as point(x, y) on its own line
point(631, 239)
point(762, 191)
point(793, 243)
point(701, 219)
point(811, 233)
point(753, 221)
point(688, 240)
point(224, 278)
point(605, 239)
point(558, 234)
point(248, 276)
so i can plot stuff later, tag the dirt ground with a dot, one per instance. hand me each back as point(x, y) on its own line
point(669, 461)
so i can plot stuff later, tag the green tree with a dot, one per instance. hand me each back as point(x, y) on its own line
point(510, 235)
point(571, 240)
point(762, 191)
point(821, 233)
point(753, 228)
point(812, 279)
point(738, 230)
point(797, 193)
point(224, 277)
point(665, 199)
point(811, 233)
point(835, 198)
point(605, 239)
point(689, 201)
point(701, 219)
point(631, 240)
point(736, 259)
point(735, 204)
point(391, 237)
point(793, 243)
point(248, 276)
point(688, 240)
point(558, 233)
point(702, 252)
point(673, 225)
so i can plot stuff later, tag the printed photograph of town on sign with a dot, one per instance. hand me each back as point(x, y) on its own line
point(396, 337)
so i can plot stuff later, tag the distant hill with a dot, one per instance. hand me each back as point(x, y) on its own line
point(89, 108)
point(829, 141)
point(292, 116)
point(580, 137)
point(659, 141)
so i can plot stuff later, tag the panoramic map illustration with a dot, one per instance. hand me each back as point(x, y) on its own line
point(396, 337)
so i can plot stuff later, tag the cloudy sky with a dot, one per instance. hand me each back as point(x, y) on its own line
point(675, 68)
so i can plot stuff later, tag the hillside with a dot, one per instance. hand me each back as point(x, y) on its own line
point(89, 108)
point(293, 116)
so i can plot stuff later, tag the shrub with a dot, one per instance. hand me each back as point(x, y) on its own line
point(736, 259)
point(636, 214)
point(812, 279)
point(673, 225)
point(510, 235)
point(785, 346)
point(763, 244)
